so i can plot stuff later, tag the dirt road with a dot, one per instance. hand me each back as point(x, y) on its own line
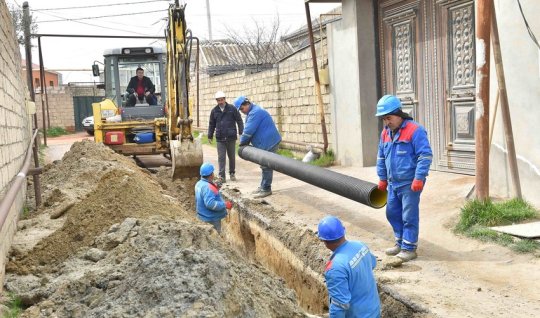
point(453, 276)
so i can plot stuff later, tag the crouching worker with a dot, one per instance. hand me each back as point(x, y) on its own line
point(352, 289)
point(211, 207)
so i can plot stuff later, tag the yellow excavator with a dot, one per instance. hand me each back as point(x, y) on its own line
point(144, 129)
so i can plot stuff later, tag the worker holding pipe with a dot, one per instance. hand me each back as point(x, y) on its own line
point(352, 289)
point(403, 162)
point(262, 133)
point(211, 208)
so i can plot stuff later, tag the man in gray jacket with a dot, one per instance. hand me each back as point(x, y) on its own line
point(224, 119)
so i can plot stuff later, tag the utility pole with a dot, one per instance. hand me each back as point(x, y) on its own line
point(483, 25)
point(209, 19)
point(30, 83)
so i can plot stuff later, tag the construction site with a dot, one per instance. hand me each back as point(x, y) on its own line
point(103, 222)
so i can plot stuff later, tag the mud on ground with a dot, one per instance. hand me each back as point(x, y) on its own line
point(124, 246)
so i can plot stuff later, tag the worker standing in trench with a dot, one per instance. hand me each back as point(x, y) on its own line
point(211, 208)
point(403, 162)
point(351, 285)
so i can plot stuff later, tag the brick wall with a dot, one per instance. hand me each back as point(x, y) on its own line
point(287, 92)
point(15, 127)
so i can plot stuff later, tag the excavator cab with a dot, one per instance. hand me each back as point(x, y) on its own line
point(143, 129)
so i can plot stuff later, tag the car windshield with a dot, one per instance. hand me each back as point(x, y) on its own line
point(127, 69)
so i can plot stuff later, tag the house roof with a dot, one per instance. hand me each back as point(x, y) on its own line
point(224, 55)
point(35, 67)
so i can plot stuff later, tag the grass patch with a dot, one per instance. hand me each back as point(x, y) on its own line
point(477, 216)
point(56, 131)
point(526, 246)
point(14, 306)
point(286, 153)
point(204, 138)
point(325, 160)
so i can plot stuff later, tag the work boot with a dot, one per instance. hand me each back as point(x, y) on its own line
point(407, 255)
point(256, 191)
point(393, 251)
point(262, 194)
point(232, 177)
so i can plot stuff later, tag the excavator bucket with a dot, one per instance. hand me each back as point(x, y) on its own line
point(187, 158)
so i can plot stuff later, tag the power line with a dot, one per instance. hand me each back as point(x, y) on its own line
point(531, 34)
point(98, 26)
point(103, 16)
point(97, 5)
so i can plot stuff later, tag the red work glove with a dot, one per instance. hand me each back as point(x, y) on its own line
point(383, 184)
point(228, 205)
point(417, 185)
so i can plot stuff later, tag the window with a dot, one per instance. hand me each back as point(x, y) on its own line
point(51, 83)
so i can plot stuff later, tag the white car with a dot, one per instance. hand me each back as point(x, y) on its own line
point(88, 125)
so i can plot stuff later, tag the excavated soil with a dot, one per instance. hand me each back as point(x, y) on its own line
point(127, 244)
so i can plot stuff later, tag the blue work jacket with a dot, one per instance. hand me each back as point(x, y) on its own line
point(405, 155)
point(260, 129)
point(352, 288)
point(210, 205)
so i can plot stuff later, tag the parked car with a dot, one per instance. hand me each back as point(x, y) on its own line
point(88, 125)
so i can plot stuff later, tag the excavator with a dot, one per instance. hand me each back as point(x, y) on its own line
point(143, 129)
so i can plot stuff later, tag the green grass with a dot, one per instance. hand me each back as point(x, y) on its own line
point(204, 139)
point(14, 306)
point(487, 213)
point(325, 160)
point(477, 216)
point(526, 246)
point(286, 153)
point(56, 131)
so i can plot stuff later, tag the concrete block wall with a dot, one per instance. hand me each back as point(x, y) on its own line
point(287, 92)
point(15, 128)
point(61, 113)
point(61, 110)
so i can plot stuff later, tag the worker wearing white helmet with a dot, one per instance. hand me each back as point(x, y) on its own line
point(224, 120)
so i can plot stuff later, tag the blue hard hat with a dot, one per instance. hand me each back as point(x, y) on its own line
point(387, 105)
point(206, 169)
point(330, 228)
point(239, 101)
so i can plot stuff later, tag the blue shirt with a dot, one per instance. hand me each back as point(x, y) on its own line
point(210, 205)
point(405, 155)
point(352, 288)
point(260, 129)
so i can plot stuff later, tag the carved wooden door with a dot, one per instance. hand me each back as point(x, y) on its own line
point(428, 61)
point(455, 91)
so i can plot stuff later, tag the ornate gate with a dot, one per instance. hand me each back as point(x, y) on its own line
point(428, 61)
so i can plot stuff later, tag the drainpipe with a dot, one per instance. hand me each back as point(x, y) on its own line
point(505, 109)
point(44, 110)
point(16, 184)
point(316, 76)
point(483, 17)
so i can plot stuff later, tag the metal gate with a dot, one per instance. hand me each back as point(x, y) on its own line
point(428, 61)
point(82, 108)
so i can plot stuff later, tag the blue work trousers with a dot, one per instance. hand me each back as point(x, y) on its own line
point(267, 173)
point(402, 211)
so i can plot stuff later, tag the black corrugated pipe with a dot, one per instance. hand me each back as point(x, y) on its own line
point(355, 189)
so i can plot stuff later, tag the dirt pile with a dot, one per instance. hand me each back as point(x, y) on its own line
point(128, 248)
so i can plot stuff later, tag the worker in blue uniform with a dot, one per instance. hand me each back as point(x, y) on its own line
point(211, 208)
point(352, 289)
point(262, 133)
point(403, 162)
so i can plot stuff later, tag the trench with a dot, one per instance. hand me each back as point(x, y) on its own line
point(295, 256)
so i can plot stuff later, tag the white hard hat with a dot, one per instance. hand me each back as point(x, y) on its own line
point(219, 94)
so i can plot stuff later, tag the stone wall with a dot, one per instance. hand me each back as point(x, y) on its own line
point(287, 92)
point(15, 128)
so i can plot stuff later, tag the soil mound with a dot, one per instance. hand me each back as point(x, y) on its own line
point(130, 248)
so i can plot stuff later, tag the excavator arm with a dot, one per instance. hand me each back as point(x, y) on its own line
point(186, 152)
